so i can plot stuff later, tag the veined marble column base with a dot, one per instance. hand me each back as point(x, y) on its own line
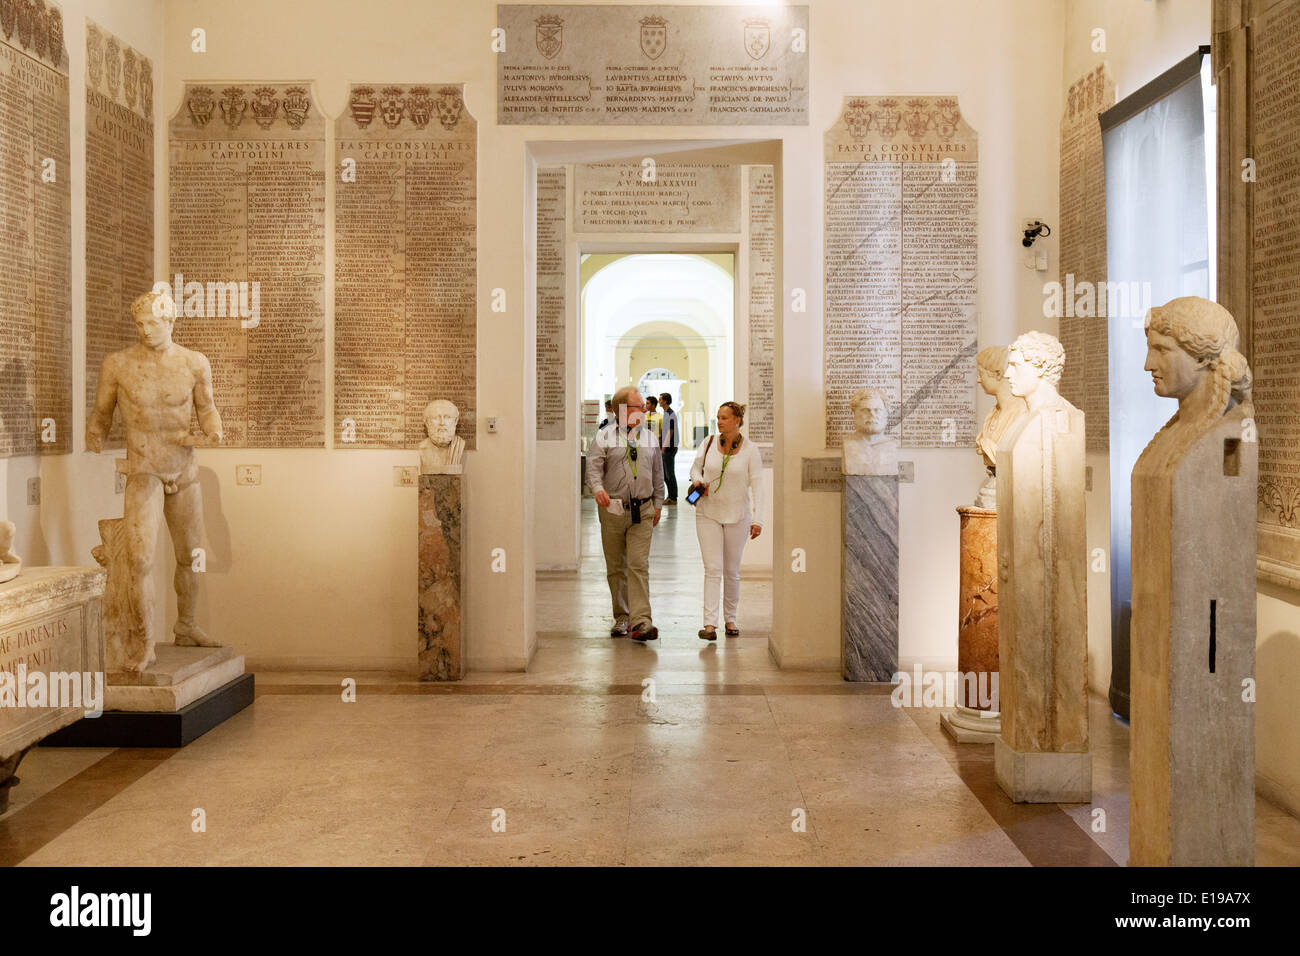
point(1042, 776)
point(967, 726)
point(869, 616)
point(440, 622)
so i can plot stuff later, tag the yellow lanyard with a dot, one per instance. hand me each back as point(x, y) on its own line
point(627, 453)
point(726, 460)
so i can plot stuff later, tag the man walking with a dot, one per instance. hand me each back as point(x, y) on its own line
point(670, 442)
point(654, 421)
point(625, 471)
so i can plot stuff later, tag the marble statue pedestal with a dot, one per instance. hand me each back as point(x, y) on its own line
point(966, 725)
point(1042, 756)
point(869, 615)
point(977, 721)
point(181, 696)
point(1192, 746)
point(1039, 776)
point(180, 676)
point(51, 621)
point(442, 579)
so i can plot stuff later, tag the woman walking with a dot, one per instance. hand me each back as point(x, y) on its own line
point(728, 473)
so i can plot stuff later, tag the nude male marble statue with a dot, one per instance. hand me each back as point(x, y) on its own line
point(157, 385)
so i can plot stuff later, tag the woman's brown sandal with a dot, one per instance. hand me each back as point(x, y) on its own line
point(733, 631)
point(709, 633)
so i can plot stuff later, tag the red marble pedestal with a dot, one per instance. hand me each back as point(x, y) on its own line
point(442, 579)
point(976, 719)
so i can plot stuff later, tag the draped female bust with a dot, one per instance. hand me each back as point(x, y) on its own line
point(992, 365)
point(1193, 628)
point(1192, 356)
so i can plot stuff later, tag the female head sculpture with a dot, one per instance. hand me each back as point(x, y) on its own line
point(991, 364)
point(1192, 356)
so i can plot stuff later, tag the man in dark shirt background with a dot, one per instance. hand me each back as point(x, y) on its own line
point(670, 440)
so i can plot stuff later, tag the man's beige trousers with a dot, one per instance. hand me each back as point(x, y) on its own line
point(627, 564)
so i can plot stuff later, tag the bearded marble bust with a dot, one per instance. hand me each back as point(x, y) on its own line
point(869, 450)
point(443, 452)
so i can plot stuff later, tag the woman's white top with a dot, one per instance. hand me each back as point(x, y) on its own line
point(727, 503)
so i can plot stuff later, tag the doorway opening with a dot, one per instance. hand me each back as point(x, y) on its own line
point(664, 322)
point(661, 291)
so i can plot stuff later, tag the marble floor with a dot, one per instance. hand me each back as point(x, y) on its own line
point(723, 759)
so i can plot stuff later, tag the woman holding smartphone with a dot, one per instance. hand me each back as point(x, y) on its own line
point(727, 491)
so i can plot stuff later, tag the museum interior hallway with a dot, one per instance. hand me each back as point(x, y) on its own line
point(586, 770)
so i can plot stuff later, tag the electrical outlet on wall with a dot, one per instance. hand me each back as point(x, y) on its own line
point(33, 491)
point(248, 474)
point(406, 476)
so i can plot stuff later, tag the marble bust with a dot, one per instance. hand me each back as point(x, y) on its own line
point(157, 386)
point(1035, 362)
point(443, 452)
point(10, 564)
point(869, 451)
point(1043, 754)
point(1193, 627)
point(1192, 356)
point(992, 365)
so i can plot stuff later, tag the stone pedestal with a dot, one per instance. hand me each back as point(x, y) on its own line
point(977, 719)
point(51, 624)
point(179, 676)
point(966, 725)
point(1192, 747)
point(869, 623)
point(181, 696)
point(1042, 614)
point(442, 579)
point(1039, 776)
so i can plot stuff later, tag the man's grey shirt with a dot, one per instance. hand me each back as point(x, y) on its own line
point(609, 468)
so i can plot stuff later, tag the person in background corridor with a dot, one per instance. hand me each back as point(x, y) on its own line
point(654, 421)
point(670, 440)
point(728, 513)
